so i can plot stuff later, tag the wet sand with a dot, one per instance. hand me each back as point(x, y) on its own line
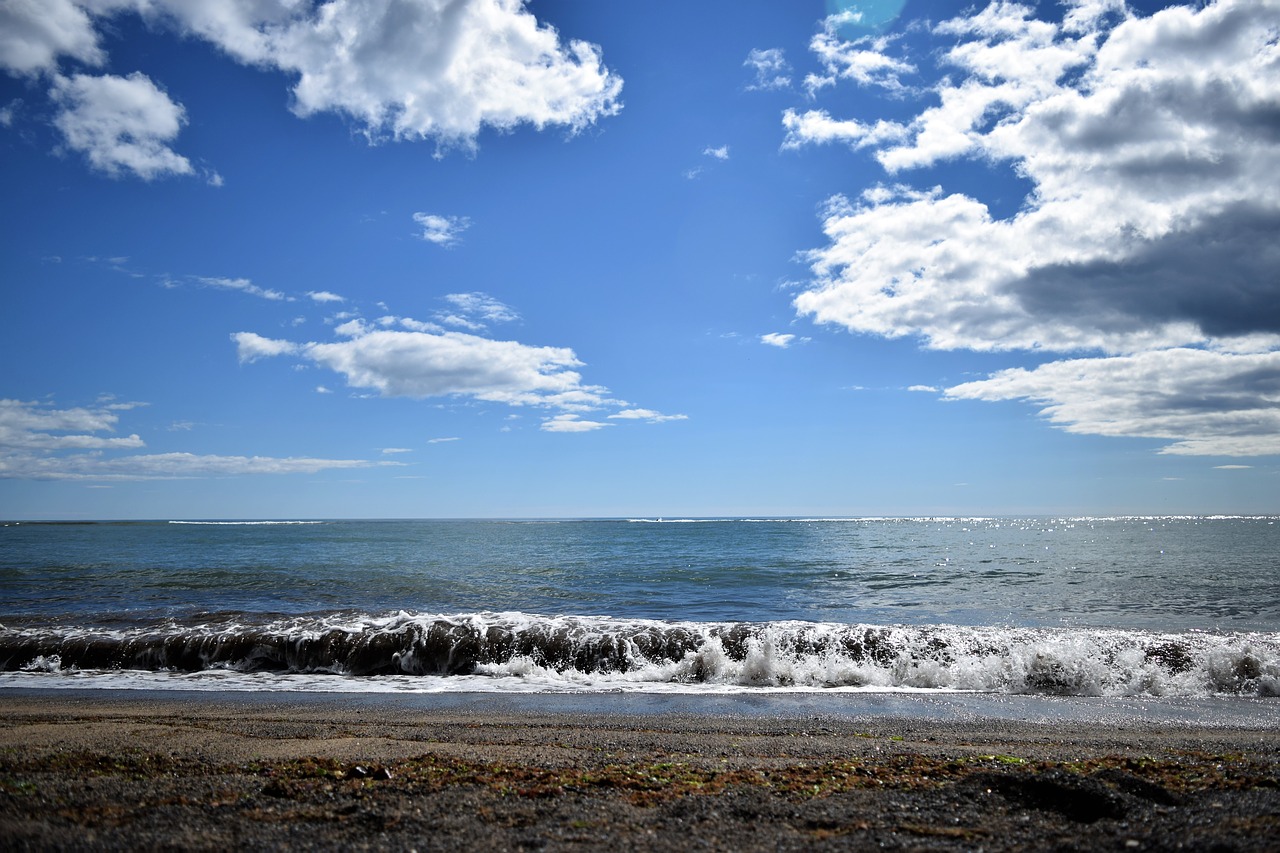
point(114, 770)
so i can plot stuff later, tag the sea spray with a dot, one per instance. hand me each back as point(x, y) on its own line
point(1043, 607)
point(572, 652)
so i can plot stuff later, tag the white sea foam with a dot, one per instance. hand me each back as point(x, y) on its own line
point(523, 652)
point(246, 523)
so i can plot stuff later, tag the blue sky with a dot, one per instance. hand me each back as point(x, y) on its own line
point(403, 258)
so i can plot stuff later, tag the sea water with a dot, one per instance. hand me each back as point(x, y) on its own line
point(1171, 609)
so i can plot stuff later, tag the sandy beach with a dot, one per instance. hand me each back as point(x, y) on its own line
point(113, 770)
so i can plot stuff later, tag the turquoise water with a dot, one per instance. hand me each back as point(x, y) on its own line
point(1109, 606)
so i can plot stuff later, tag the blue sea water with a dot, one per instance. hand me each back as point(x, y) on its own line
point(1179, 608)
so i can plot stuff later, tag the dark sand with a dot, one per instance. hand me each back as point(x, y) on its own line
point(114, 770)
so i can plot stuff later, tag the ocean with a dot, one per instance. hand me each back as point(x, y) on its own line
point(1145, 608)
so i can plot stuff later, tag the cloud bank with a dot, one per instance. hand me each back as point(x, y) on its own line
point(40, 442)
point(1148, 240)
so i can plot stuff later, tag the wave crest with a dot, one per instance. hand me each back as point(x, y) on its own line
point(601, 653)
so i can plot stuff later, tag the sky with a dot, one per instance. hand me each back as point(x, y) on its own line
point(492, 258)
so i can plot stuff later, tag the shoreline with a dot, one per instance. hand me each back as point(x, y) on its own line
point(95, 769)
point(1218, 711)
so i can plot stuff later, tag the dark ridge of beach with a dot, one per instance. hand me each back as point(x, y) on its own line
point(114, 770)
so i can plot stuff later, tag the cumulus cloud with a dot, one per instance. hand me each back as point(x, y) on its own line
point(1149, 144)
point(817, 127)
point(121, 124)
point(431, 69)
point(324, 296)
point(411, 68)
point(1207, 403)
point(251, 347)
point(35, 33)
point(1155, 159)
point(441, 230)
point(772, 71)
point(399, 69)
point(40, 442)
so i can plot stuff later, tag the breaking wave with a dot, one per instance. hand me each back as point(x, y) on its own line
point(600, 653)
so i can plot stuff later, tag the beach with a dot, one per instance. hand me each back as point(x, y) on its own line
point(723, 684)
point(108, 769)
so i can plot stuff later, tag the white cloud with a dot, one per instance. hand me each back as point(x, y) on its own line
point(1155, 150)
point(1232, 467)
point(720, 153)
point(177, 466)
point(352, 328)
point(39, 442)
point(777, 339)
point(251, 347)
point(863, 60)
point(424, 364)
point(441, 230)
point(817, 127)
point(445, 364)
point(1149, 146)
point(929, 389)
point(401, 69)
point(442, 440)
point(26, 426)
point(390, 450)
point(410, 324)
point(571, 423)
point(1205, 403)
point(35, 33)
point(475, 311)
point(109, 402)
point(121, 124)
point(325, 296)
point(429, 69)
point(243, 285)
point(772, 71)
point(646, 415)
